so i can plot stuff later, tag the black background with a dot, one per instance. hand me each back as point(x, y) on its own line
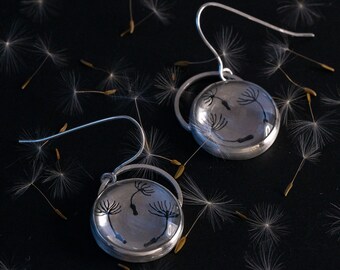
point(33, 237)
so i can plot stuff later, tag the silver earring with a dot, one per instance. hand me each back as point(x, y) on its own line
point(232, 118)
point(134, 219)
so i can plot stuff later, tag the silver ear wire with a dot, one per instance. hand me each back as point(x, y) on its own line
point(120, 117)
point(245, 15)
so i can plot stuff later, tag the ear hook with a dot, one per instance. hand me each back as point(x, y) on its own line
point(245, 15)
point(120, 117)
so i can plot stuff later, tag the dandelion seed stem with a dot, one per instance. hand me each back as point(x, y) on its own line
point(90, 65)
point(44, 143)
point(290, 79)
point(132, 23)
point(34, 73)
point(311, 60)
point(91, 92)
point(290, 185)
point(158, 156)
point(197, 218)
point(137, 24)
point(310, 107)
point(186, 162)
point(187, 63)
point(241, 215)
point(49, 202)
point(147, 145)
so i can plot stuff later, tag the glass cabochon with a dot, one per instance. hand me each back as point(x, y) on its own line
point(136, 216)
point(239, 118)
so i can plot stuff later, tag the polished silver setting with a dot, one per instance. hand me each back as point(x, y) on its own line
point(137, 219)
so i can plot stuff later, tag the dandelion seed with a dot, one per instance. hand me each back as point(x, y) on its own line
point(283, 45)
point(124, 267)
point(21, 187)
point(155, 150)
point(35, 152)
point(265, 259)
point(229, 48)
point(115, 76)
point(167, 82)
point(39, 10)
point(215, 207)
point(43, 48)
point(132, 22)
point(10, 264)
point(288, 101)
point(334, 216)
point(300, 12)
point(12, 47)
point(158, 8)
point(332, 99)
point(276, 59)
point(64, 180)
point(135, 93)
point(276, 62)
point(318, 132)
point(266, 222)
point(69, 100)
point(309, 152)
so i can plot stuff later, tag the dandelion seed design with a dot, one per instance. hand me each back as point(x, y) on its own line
point(209, 97)
point(162, 209)
point(250, 96)
point(143, 188)
point(109, 209)
point(217, 123)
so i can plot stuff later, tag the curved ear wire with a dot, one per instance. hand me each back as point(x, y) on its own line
point(242, 14)
point(120, 117)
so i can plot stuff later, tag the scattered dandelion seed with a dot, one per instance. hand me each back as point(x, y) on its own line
point(12, 47)
point(115, 76)
point(276, 59)
point(230, 48)
point(40, 10)
point(299, 12)
point(267, 224)
point(309, 152)
point(43, 48)
point(318, 132)
point(155, 149)
point(183, 63)
point(332, 99)
point(167, 82)
point(63, 180)
point(180, 244)
point(288, 102)
point(264, 259)
point(157, 8)
point(69, 100)
point(63, 128)
point(334, 216)
point(283, 45)
point(216, 207)
point(35, 152)
point(175, 162)
point(179, 171)
point(57, 154)
point(123, 266)
point(20, 188)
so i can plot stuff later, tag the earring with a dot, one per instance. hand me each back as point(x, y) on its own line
point(232, 118)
